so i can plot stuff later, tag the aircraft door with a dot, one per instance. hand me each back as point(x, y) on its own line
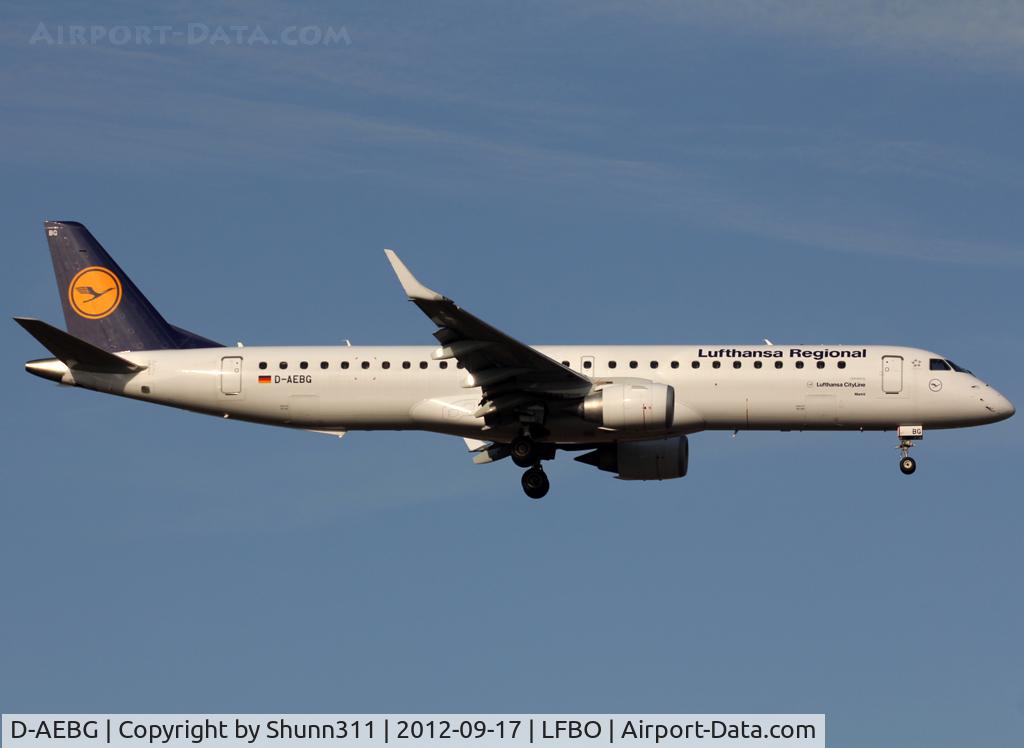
point(892, 374)
point(231, 375)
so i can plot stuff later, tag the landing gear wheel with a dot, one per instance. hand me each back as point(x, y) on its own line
point(907, 436)
point(535, 483)
point(524, 451)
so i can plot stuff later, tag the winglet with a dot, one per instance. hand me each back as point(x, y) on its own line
point(415, 290)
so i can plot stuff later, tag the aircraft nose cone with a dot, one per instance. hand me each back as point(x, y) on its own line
point(1002, 406)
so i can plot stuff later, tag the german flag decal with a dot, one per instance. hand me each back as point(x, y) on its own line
point(264, 379)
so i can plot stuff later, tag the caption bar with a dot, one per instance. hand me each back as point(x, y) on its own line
point(420, 730)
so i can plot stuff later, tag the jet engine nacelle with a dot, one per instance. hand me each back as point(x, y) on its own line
point(654, 459)
point(647, 406)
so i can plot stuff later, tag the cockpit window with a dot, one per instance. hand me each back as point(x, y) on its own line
point(937, 364)
point(960, 369)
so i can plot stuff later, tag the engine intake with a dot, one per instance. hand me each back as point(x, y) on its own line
point(654, 459)
point(647, 406)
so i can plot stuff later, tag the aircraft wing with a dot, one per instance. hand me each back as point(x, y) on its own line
point(511, 374)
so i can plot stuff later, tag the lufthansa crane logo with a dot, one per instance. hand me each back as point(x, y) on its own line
point(94, 292)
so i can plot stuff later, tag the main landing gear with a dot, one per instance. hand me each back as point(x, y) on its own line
point(907, 435)
point(536, 483)
point(526, 453)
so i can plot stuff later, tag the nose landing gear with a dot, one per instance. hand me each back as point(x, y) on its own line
point(907, 435)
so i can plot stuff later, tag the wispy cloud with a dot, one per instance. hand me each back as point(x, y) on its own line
point(981, 32)
point(369, 111)
point(211, 132)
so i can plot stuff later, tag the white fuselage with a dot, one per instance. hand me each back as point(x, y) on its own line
point(779, 387)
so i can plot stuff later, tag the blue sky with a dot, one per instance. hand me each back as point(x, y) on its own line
point(573, 172)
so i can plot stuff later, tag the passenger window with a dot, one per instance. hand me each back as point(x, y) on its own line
point(632, 364)
point(423, 364)
point(304, 364)
point(460, 365)
point(587, 364)
point(323, 364)
point(443, 364)
point(385, 364)
point(675, 364)
point(716, 364)
point(344, 364)
point(821, 364)
point(263, 364)
point(695, 364)
point(937, 364)
point(406, 364)
point(283, 364)
point(366, 364)
point(654, 364)
point(565, 364)
point(778, 364)
point(757, 364)
point(737, 364)
point(841, 364)
point(799, 364)
point(612, 364)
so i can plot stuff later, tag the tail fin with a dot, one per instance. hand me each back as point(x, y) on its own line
point(101, 304)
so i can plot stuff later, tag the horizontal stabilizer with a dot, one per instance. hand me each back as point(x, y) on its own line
point(74, 352)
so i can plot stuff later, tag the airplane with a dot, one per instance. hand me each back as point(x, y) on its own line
point(628, 408)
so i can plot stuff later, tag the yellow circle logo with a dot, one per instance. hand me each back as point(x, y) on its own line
point(94, 292)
